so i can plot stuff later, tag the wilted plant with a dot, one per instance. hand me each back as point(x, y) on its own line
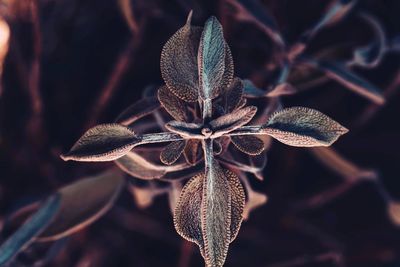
point(210, 112)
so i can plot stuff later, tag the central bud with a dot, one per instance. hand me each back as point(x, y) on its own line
point(206, 132)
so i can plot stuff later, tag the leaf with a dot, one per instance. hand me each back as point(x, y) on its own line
point(139, 167)
point(104, 142)
point(281, 89)
point(82, 203)
point(231, 121)
point(192, 151)
point(350, 80)
point(248, 144)
point(179, 62)
point(138, 110)
point(371, 55)
point(254, 11)
point(215, 210)
point(33, 227)
point(250, 90)
point(237, 202)
point(234, 95)
point(185, 129)
point(335, 13)
point(175, 106)
point(303, 127)
point(171, 153)
point(187, 215)
point(211, 59)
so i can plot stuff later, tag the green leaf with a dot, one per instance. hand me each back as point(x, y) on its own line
point(303, 127)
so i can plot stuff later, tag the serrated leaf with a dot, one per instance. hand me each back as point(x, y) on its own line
point(104, 142)
point(351, 80)
point(171, 153)
point(234, 95)
point(237, 202)
point(231, 121)
point(248, 144)
point(192, 151)
point(185, 129)
point(175, 106)
point(211, 59)
point(215, 210)
point(179, 62)
point(33, 227)
point(82, 203)
point(138, 110)
point(303, 127)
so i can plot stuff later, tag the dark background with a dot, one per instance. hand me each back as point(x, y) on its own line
point(75, 63)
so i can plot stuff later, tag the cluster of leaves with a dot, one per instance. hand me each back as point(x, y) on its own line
point(209, 111)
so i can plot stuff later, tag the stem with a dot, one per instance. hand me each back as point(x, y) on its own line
point(158, 138)
point(207, 109)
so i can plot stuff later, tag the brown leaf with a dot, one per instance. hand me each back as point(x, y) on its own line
point(185, 129)
point(138, 110)
point(237, 203)
point(231, 121)
point(303, 127)
point(248, 144)
point(82, 203)
point(171, 153)
point(187, 215)
point(179, 62)
point(192, 151)
point(234, 95)
point(104, 142)
point(175, 106)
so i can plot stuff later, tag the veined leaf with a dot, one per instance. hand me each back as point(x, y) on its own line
point(138, 110)
point(192, 151)
point(248, 144)
point(82, 203)
point(215, 210)
point(303, 127)
point(33, 227)
point(171, 153)
point(104, 142)
point(231, 121)
point(211, 59)
point(179, 62)
point(175, 106)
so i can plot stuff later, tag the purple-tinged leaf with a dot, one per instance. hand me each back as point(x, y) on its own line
point(33, 227)
point(215, 210)
point(254, 199)
point(140, 167)
point(185, 129)
point(192, 151)
point(138, 110)
point(303, 127)
point(217, 147)
point(237, 202)
point(179, 62)
point(82, 203)
point(334, 14)
point(211, 59)
point(175, 106)
point(248, 144)
point(104, 142)
point(253, 11)
point(231, 121)
point(371, 55)
point(187, 215)
point(171, 153)
point(281, 90)
point(234, 95)
point(350, 80)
